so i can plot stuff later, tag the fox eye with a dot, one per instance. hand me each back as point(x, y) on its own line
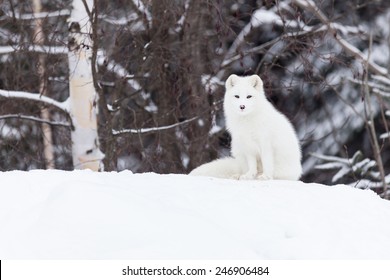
point(249, 96)
point(236, 96)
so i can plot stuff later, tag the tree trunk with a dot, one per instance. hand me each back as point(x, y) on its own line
point(82, 95)
point(193, 57)
point(165, 86)
point(45, 114)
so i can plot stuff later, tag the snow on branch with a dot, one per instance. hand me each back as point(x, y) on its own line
point(33, 16)
point(231, 55)
point(131, 21)
point(117, 69)
point(181, 21)
point(260, 17)
point(34, 48)
point(385, 135)
point(232, 58)
point(152, 129)
point(35, 119)
point(357, 165)
point(35, 97)
point(121, 72)
point(273, 18)
point(368, 184)
point(377, 88)
point(381, 79)
point(143, 10)
point(349, 48)
point(211, 83)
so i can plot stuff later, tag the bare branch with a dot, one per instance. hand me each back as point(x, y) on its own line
point(152, 129)
point(87, 9)
point(35, 119)
point(371, 125)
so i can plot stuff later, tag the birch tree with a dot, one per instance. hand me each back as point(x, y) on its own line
point(80, 107)
point(82, 94)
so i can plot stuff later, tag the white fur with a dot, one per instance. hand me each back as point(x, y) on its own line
point(264, 143)
point(220, 168)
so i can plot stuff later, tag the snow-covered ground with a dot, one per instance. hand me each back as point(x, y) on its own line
point(87, 215)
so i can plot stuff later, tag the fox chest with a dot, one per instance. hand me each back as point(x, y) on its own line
point(246, 139)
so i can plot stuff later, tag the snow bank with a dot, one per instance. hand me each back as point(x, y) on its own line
point(87, 215)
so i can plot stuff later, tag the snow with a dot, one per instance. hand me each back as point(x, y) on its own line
point(52, 214)
point(262, 16)
point(211, 83)
point(9, 132)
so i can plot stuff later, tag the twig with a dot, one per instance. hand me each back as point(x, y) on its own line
point(371, 126)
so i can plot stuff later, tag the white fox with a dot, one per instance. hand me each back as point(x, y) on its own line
point(264, 143)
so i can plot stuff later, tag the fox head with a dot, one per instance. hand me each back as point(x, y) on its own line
point(243, 94)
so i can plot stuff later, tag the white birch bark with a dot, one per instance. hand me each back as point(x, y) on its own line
point(39, 39)
point(82, 94)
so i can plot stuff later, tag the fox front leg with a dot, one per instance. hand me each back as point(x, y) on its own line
point(252, 168)
point(267, 160)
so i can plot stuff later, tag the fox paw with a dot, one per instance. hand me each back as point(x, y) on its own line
point(263, 177)
point(247, 176)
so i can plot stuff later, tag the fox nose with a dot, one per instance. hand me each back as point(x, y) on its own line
point(242, 107)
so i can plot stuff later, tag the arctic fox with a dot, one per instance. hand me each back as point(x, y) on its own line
point(264, 143)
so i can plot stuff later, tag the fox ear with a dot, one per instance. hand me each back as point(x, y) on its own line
point(256, 82)
point(231, 81)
